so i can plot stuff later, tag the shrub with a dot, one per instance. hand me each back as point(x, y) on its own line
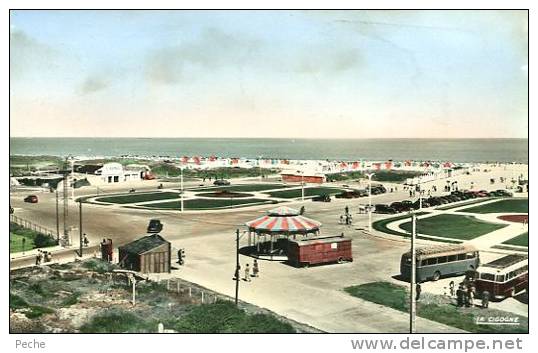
point(43, 241)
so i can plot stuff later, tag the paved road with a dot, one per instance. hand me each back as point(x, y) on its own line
point(314, 296)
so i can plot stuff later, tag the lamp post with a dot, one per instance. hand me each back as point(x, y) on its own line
point(302, 183)
point(237, 274)
point(369, 175)
point(57, 218)
point(181, 181)
point(260, 167)
point(80, 225)
point(413, 302)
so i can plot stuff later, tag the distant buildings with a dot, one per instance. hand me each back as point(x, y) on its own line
point(117, 173)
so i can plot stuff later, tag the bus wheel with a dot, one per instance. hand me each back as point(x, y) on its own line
point(513, 292)
point(305, 264)
point(340, 260)
point(436, 276)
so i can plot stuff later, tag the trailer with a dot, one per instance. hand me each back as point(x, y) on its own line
point(334, 249)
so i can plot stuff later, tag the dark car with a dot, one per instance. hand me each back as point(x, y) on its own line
point(378, 189)
point(31, 199)
point(502, 193)
point(346, 195)
point(401, 206)
point(416, 204)
point(434, 201)
point(322, 198)
point(384, 209)
point(482, 193)
point(155, 226)
point(221, 182)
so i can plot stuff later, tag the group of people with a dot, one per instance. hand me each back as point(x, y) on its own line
point(465, 295)
point(43, 256)
point(248, 276)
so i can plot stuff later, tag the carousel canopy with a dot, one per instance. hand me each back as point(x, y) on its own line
point(283, 220)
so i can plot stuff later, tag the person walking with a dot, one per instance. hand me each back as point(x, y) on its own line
point(255, 269)
point(347, 210)
point(341, 219)
point(460, 296)
point(485, 299)
point(419, 291)
point(247, 273)
point(451, 286)
point(37, 259)
point(85, 241)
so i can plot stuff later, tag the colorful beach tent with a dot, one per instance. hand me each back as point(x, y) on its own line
point(283, 220)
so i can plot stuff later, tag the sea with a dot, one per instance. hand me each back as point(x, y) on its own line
point(454, 150)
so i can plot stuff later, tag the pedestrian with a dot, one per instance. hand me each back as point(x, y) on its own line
point(485, 299)
point(410, 193)
point(470, 295)
point(37, 259)
point(86, 241)
point(347, 210)
point(460, 296)
point(451, 286)
point(247, 273)
point(301, 212)
point(350, 220)
point(341, 219)
point(347, 219)
point(419, 290)
point(236, 275)
point(255, 269)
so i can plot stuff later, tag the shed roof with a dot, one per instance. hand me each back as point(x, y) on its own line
point(324, 240)
point(145, 244)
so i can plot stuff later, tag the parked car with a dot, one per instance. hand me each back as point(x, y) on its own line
point(384, 209)
point(416, 204)
point(434, 201)
point(502, 193)
point(155, 226)
point(346, 195)
point(322, 198)
point(31, 199)
point(221, 182)
point(482, 193)
point(403, 206)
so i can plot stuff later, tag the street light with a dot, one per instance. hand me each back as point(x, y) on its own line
point(302, 183)
point(237, 274)
point(413, 301)
point(369, 175)
point(260, 167)
point(181, 180)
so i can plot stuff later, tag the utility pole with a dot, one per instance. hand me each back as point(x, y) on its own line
point(181, 179)
point(369, 175)
point(66, 205)
point(57, 218)
point(80, 225)
point(413, 302)
point(237, 279)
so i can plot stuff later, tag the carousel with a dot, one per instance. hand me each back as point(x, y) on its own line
point(268, 235)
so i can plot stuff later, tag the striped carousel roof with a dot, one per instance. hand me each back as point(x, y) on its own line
point(284, 220)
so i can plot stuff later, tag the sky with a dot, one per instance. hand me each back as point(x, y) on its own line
point(300, 74)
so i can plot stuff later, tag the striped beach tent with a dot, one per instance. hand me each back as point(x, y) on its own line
point(283, 220)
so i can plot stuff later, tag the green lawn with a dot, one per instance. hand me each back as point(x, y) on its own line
point(520, 240)
point(134, 197)
point(505, 205)
point(397, 297)
point(308, 192)
point(381, 226)
point(246, 188)
point(207, 204)
point(33, 239)
point(15, 243)
point(453, 226)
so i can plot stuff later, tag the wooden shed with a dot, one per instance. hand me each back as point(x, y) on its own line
point(149, 254)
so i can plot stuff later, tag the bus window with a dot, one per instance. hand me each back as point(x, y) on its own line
point(452, 258)
point(500, 278)
point(487, 276)
point(441, 260)
point(431, 261)
point(461, 257)
point(470, 255)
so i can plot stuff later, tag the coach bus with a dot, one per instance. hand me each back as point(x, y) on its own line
point(442, 260)
point(504, 277)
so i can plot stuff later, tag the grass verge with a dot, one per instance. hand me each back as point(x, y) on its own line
point(397, 297)
point(453, 226)
point(505, 205)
